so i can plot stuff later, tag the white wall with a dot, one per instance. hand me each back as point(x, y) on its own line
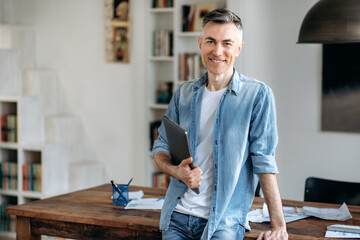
point(109, 97)
point(294, 73)
point(70, 39)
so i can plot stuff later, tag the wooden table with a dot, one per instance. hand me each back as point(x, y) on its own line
point(86, 214)
point(89, 214)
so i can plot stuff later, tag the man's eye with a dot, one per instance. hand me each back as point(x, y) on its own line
point(228, 44)
point(210, 42)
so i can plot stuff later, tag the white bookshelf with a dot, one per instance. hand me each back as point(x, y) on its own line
point(188, 34)
point(161, 10)
point(166, 68)
point(30, 148)
point(45, 131)
point(161, 59)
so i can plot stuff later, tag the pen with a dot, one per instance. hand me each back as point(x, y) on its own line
point(160, 199)
point(118, 190)
point(296, 209)
point(130, 181)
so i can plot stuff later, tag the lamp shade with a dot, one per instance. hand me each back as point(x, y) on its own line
point(332, 21)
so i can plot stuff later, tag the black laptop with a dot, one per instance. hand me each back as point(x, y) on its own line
point(178, 143)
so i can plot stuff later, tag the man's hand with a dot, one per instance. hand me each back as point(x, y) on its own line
point(274, 234)
point(191, 177)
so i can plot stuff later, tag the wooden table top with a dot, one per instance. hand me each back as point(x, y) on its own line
point(94, 206)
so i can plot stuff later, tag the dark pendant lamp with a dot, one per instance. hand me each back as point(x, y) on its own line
point(332, 21)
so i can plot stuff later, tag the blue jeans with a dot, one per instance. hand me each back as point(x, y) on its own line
point(183, 227)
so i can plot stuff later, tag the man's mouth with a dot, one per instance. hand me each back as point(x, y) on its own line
point(217, 60)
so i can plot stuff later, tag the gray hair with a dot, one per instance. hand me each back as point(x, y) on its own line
point(223, 16)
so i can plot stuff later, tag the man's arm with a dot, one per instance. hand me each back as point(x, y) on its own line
point(192, 178)
point(273, 200)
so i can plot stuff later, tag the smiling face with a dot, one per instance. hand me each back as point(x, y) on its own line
point(219, 45)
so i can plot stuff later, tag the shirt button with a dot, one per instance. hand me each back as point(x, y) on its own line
point(178, 197)
point(213, 209)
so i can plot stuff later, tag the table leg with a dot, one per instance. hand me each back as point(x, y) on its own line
point(23, 229)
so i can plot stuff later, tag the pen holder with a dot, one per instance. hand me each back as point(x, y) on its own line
point(120, 194)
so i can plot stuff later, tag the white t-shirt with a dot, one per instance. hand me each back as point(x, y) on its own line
point(199, 204)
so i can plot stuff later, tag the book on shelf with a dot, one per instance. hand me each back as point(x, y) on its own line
point(32, 177)
point(161, 180)
point(162, 3)
point(192, 15)
point(8, 176)
point(8, 128)
point(154, 132)
point(162, 43)
point(185, 18)
point(190, 66)
point(3, 128)
point(7, 222)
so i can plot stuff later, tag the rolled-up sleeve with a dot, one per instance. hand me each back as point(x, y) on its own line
point(263, 132)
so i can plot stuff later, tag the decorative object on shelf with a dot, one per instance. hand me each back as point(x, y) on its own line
point(192, 15)
point(117, 24)
point(201, 9)
point(164, 92)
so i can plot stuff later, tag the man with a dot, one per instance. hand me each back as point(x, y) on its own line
point(232, 130)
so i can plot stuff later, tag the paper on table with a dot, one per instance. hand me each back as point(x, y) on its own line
point(340, 214)
point(145, 203)
point(290, 214)
point(262, 215)
point(136, 195)
point(338, 234)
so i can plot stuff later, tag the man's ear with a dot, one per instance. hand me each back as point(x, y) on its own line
point(240, 47)
point(199, 42)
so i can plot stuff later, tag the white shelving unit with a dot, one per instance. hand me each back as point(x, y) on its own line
point(166, 68)
point(47, 136)
point(29, 148)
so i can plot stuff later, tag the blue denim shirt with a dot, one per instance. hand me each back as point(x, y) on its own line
point(244, 142)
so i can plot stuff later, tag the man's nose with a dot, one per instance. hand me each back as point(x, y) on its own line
point(217, 49)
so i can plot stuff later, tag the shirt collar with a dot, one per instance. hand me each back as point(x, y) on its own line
point(234, 85)
point(201, 82)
